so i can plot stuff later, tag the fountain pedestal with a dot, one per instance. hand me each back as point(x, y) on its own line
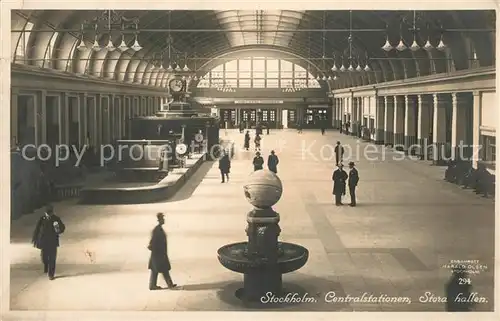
point(263, 259)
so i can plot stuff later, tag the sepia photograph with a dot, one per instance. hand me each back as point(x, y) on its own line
point(251, 160)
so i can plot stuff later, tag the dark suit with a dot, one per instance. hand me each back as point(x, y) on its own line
point(46, 238)
point(353, 182)
point(272, 163)
point(339, 177)
point(224, 167)
point(339, 154)
point(258, 163)
point(158, 261)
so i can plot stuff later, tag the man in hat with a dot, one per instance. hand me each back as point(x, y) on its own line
point(272, 162)
point(353, 182)
point(339, 177)
point(339, 153)
point(258, 162)
point(46, 238)
point(158, 261)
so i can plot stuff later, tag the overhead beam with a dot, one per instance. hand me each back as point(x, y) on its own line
point(243, 30)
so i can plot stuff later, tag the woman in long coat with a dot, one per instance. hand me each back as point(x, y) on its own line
point(247, 140)
point(158, 261)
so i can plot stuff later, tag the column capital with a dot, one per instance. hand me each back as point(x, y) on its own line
point(477, 93)
point(439, 99)
point(459, 98)
point(389, 99)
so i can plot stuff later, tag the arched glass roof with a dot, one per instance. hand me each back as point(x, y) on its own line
point(48, 38)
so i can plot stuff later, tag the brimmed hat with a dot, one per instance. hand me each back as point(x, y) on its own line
point(351, 163)
point(49, 208)
point(160, 216)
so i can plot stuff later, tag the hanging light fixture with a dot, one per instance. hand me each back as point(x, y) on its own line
point(169, 68)
point(195, 78)
point(123, 45)
point(96, 47)
point(329, 77)
point(401, 45)
point(335, 77)
point(324, 78)
point(358, 68)
point(414, 46)
point(441, 46)
point(350, 68)
point(136, 46)
point(387, 46)
point(110, 46)
point(367, 68)
point(428, 46)
point(334, 68)
point(81, 46)
point(342, 68)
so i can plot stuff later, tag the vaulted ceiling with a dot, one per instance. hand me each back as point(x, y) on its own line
point(312, 35)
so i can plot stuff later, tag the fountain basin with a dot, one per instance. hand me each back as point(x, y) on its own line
point(291, 258)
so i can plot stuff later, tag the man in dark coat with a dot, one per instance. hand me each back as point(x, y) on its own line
point(339, 153)
point(158, 261)
point(224, 166)
point(46, 238)
point(339, 178)
point(258, 162)
point(353, 182)
point(247, 140)
point(272, 162)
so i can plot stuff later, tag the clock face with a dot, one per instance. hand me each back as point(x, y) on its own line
point(176, 85)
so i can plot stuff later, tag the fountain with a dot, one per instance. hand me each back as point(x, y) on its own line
point(263, 259)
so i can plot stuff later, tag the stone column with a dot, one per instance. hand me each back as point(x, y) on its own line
point(399, 122)
point(459, 147)
point(424, 105)
point(351, 111)
point(410, 128)
point(334, 113)
point(439, 128)
point(476, 118)
point(379, 120)
point(389, 120)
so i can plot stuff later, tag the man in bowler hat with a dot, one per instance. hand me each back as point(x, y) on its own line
point(46, 238)
point(353, 182)
point(158, 261)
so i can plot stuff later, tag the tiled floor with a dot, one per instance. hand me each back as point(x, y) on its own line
point(408, 223)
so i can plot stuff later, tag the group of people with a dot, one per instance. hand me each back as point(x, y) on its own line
point(340, 178)
point(257, 140)
point(50, 226)
point(272, 162)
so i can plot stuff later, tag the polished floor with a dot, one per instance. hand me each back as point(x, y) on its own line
point(408, 223)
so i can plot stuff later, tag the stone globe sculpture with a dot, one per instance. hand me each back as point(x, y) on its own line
point(263, 189)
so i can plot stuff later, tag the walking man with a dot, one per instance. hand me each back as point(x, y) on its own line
point(272, 162)
point(339, 153)
point(158, 261)
point(46, 238)
point(224, 166)
point(339, 178)
point(353, 183)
